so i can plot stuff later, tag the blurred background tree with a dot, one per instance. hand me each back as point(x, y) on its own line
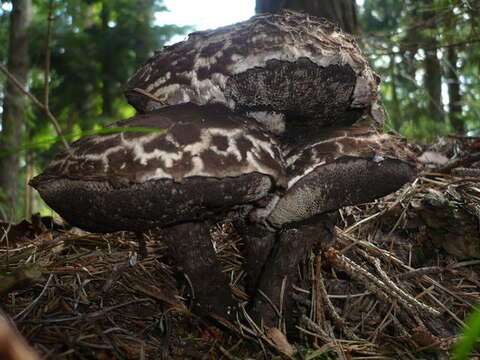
point(425, 51)
point(13, 114)
point(96, 45)
point(427, 54)
point(343, 12)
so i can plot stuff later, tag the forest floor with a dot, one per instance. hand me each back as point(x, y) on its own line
point(399, 281)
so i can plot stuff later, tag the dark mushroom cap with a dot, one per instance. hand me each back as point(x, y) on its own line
point(270, 67)
point(349, 166)
point(207, 161)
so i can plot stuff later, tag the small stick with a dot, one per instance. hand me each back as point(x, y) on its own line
point(372, 249)
point(358, 273)
point(420, 272)
point(226, 353)
point(22, 314)
point(325, 300)
point(312, 326)
point(47, 55)
point(467, 172)
point(319, 298)
point(147, 94)
point(459, 163)
point(384, 291)
point(407, 298)
point(37, 103)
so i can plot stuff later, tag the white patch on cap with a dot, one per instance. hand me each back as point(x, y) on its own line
point(319, 160)
point(292, 181)
point(273, 122)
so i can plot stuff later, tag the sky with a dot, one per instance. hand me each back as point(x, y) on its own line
point(205, 14)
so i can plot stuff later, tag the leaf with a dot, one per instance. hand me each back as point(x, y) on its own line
point(280, 341)
point(433, 157)
point(471, 334)
point(21, 278)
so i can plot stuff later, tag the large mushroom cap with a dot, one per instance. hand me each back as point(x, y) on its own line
point(272, 67)
point(347, 167)
point(206, 161)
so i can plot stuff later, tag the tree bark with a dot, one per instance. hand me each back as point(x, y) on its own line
point(28, 196)
point(107, 84)
point(455, 97)
point(433, 70)
point(433, 84)
point(342, 12)
point(143, 46)
point(397, 116)
point(13, 117)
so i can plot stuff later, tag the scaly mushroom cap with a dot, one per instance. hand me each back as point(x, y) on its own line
point(207, 161)
point(271, 66)
point(347, 167)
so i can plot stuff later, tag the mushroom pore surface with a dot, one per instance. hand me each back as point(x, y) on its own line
point(346, 166)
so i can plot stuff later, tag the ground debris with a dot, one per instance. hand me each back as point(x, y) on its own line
point(397, 283)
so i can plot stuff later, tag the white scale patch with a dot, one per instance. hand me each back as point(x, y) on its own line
point(272, 121)
point(374, 138)
point(292, 181)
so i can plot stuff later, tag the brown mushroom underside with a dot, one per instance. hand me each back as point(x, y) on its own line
point(347, 181)
point(98, 207)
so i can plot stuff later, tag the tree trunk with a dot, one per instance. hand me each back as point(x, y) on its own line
point(13, 117)
point(455, 97)
point(342, 12)
point(433, 83)
point(107, 91)
point(142, 46)
point(28, 195)
point(397, 116)
point(433, 70)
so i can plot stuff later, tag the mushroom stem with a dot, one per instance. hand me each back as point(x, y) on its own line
point(273, 298)
point(142, 245)
point(193, 252)
point(258, 245)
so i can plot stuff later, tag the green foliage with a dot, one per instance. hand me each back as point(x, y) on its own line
point(396, 37)
point(467, 341)
point(95, 46)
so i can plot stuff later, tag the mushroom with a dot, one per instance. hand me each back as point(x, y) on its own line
point(206, 162)
point(347, 166)
point(292, 72)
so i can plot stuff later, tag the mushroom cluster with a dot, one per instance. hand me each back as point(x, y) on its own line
point(256, 122)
